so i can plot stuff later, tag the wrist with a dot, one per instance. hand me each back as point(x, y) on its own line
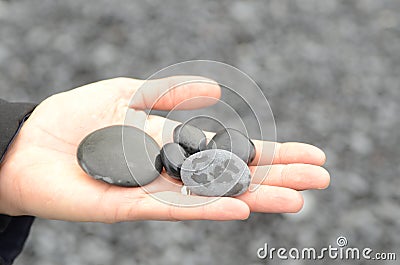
point(10, 196)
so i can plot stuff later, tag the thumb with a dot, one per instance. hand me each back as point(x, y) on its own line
point(179, 92)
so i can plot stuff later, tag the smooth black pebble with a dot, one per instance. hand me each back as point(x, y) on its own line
point(101, 155)
point(172, 156)
point(215, 172)
point(191, 138)
point(234, 141)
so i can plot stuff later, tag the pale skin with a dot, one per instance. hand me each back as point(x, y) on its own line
point(40, 175)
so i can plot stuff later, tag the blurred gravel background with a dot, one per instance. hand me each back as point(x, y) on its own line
point(330, 70)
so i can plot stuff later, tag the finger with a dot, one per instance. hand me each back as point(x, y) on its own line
point(176, 92)
point(268, 153)
point(269, 199)
point(294, 176)
point(174, 206)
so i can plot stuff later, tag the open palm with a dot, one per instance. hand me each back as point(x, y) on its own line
point(40, 175)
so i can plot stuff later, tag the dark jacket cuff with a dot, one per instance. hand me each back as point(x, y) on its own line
point(12, 240)
point(12, 116)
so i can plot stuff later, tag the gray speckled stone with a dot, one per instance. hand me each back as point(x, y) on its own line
point(101, 155)
point(215, 172)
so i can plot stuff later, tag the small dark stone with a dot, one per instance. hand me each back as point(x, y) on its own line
point(101, 155)
point(215, 172)
point(191, 138)
point(234, 141)
point(172, 157)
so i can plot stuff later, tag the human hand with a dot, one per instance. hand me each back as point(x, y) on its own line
point(40, 175)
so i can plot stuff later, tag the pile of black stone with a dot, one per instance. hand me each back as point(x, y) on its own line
point(115, 155)
point(218, 168)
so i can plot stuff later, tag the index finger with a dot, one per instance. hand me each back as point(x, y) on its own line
point(268, 153)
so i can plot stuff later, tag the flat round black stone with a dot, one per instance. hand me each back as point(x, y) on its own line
point(215, 172)
point(101, 155)
point(234, 141)
point(191, 138)
point(172, 156)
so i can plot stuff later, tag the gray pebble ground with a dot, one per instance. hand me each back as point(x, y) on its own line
point(330, 70)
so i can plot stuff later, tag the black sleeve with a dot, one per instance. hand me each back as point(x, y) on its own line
point(13, 230)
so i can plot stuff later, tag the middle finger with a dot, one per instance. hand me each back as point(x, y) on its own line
point(294, 176)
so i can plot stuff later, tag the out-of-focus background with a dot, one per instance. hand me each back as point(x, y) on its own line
point(330, 70)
